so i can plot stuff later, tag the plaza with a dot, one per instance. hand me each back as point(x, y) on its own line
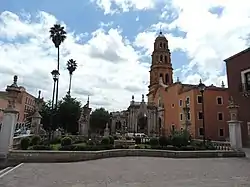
point(133, 172)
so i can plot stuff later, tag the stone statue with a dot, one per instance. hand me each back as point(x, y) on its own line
point(106, 130)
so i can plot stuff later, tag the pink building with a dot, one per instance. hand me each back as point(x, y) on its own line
point(25, 104)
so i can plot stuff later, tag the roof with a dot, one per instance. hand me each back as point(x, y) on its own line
point(188, 87)
point(237, 54)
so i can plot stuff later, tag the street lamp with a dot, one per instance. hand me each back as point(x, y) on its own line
point(202, 88)
point(55, 75)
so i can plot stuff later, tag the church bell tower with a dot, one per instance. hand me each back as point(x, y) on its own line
point(161, 68)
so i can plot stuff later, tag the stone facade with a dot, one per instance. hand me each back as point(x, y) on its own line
point(140, 117)
point(84, 119)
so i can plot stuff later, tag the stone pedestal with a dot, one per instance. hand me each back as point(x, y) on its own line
point(35, 123)
point(234, 126)
point(235, 134)
point(7, 130)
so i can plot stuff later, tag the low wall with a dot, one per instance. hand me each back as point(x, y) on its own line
point(73, 156)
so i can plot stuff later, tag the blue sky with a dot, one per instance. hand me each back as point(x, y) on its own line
point(200, 36)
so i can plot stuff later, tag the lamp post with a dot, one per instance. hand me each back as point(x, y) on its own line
point(202, 88)
point(55, 75)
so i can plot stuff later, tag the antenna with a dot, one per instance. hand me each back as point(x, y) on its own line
point(160, 29)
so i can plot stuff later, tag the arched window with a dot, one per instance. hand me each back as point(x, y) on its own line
point(161, 75)
point(160, 45)
point(161, 58)
point(166, 59)
point(164, 45)
point(167, 78)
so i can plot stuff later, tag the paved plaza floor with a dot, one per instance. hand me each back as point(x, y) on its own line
point(133, 172)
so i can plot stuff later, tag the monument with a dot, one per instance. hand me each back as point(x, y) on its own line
point(106, 130)
point(84, 119)
point(140, 117)
point(36, 117)
point(9, 119)
point(234, 126)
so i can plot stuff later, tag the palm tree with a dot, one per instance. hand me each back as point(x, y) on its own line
point(71, 66)
point(57, 35)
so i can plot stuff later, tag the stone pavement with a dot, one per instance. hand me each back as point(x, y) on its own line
point(133, 172)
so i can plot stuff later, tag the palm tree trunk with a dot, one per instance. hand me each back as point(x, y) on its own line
point(70, 79)
point(57, 83)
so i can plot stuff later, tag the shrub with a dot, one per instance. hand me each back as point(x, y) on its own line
point(40, 147)
point(164, 141)
point(90, 142)
point(66, 141)
point(137, 147)
point(180, 139)
point(111, 140)
point(154, 142)
point(137, 140)
point(35, 140)
point(25, 142)
point(56, 140)
point(105, 141)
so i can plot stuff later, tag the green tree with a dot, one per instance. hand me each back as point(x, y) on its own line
point(46, 115)
point(71, 66)
point(69, 111)
point(57, 35)
point(98, 119)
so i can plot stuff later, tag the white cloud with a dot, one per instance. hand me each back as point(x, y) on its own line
point(209, 38)
point(126, 5)
point(108, 67)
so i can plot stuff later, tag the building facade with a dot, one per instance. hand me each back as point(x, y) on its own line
point(174, 98)
point(25, 104)
point(174, 105)
point(238, 76)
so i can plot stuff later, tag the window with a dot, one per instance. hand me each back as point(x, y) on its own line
point(220, 116)
point(172, 105)
point(221, 132)
point(199, 99)
point(201, 131)
point(173, 128)
point(160, 45)
point(200, 115)
point(181, 115)
point(161, 58)
point(164, 45)
point(188, 100)
point(166, 59)
point(180, 102)
point(219, 100)
point(245, 79)
point(167, 78)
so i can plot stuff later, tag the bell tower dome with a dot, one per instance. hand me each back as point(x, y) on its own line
point(161, 66)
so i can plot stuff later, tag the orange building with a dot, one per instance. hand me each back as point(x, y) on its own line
point(172, 96)
point(25, 104)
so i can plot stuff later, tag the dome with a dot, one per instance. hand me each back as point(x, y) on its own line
point(160, 36)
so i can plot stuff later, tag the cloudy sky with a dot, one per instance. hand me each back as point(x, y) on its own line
point(112, 41)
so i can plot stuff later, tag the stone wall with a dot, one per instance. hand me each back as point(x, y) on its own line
point(73, 156)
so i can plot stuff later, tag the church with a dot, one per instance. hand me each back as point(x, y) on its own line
point(148, 117)
point(173, 105)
